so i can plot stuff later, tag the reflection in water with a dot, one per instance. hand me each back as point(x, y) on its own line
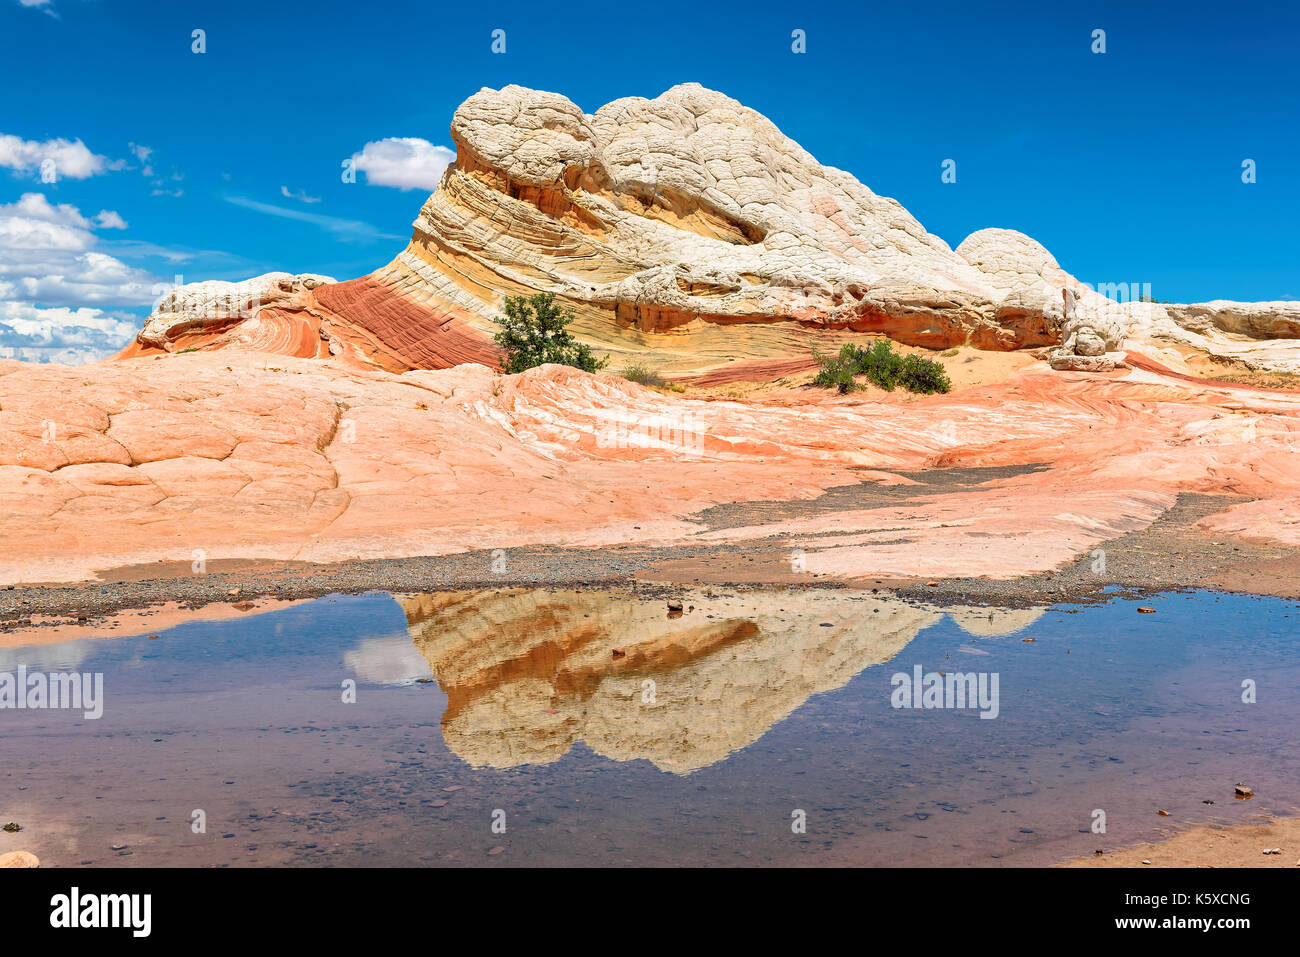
point(773, 699)
point(993, 622)
point(386, 661)
point(529, 673)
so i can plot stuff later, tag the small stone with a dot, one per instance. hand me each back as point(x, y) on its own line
point(233, 592)
point(1144, 610)
point(495, 851)
point(1146, 862)
point(618, 653)
point(1162, 813)
point(12, 828)
point(1243, 791)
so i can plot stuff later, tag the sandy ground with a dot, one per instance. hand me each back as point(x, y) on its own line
point(1242, 845)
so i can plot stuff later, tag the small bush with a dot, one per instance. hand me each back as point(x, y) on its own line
point(881, 366)
point(837, 372)
point(534, 332)
point(643, 375)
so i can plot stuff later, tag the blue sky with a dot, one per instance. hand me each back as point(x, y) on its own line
point(1127, 165)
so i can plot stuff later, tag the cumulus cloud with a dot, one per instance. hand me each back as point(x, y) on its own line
point(404, 162)
point(70, 336)
point(37, 206)
point(48, 255)
point(64, 159)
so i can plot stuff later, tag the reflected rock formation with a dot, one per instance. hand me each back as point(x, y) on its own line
point(992, 622)
point(529, 673)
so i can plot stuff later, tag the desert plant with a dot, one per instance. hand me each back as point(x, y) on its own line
point(534, 332)
point(643, 375)
point(923, 375)
point(881, 366)
point(838, 371)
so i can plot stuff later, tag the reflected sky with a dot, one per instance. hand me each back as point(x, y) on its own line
point(610, 730)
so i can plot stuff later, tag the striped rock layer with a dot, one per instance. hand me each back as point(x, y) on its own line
point(687, 231)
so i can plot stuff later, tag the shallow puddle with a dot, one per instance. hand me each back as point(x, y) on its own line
point(754, 726)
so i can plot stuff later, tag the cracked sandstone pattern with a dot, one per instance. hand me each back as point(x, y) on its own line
point(137, 461)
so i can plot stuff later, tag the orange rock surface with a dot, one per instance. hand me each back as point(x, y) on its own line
point(232, 454)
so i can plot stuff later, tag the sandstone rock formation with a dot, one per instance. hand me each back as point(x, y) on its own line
point(293, 417)
point(687, 231)
point(261, 313)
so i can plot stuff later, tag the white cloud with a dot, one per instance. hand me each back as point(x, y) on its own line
point(109, 219)
point(300, 195)
point(70, 158)
point(48, 255)
point(405, 162)
point(36, 206)
point(65, 335)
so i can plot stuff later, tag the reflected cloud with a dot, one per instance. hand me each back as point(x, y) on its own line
point(386, 661)
point(63, 656)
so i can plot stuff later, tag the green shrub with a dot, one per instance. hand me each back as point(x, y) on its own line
point(643, 375)
point(838, 372)
point(881, 366)
point(924, 375)
point(534, 331)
